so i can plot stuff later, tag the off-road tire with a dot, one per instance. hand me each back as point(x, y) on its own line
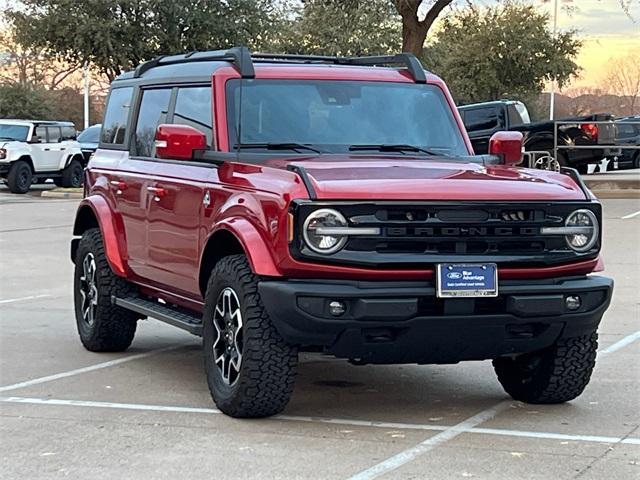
point(19, 178)
point(267, 372)
point(113, 327)
point(72, 175)
point(555, 375)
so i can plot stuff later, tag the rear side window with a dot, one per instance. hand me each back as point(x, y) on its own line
point(54, 134)
point(153, 112)
point(68, 133)
point(114, 127)
point(481, 118)
point(626, 130)
point(193, 108)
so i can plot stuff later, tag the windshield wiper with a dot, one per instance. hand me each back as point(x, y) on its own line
point(389, 147)
point(279, 146)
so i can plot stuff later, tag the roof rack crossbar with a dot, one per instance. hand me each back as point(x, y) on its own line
point(243, 60)
point(239, 56)
point(412, 64)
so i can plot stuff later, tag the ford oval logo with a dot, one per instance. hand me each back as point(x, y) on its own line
point(454, 275)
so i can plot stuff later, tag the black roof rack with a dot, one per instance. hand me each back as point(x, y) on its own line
point(239, 56)
point(243, 60)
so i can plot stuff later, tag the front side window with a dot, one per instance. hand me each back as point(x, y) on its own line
point(41, 133)
point(193, 108)
point(334, 116)
point(153, 112)
point(10, 132)
point(481, 118)
point(114, 128)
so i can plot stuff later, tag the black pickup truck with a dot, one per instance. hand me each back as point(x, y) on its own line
point(484, 119)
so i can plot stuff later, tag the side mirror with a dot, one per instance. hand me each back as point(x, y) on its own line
point(35, 139)
point(507, 145)
point(178, 142)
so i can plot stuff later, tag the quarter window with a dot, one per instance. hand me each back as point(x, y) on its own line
point(68, 133)
point(153, 112)
point(114, 128)
point(193, 108)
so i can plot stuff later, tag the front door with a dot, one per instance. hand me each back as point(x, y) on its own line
point(45, 153)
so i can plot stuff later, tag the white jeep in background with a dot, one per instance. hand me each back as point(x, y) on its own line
point(32, 151)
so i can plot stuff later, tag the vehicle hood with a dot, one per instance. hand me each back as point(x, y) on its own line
point(390, 178)
point(10, 144)
point(88, 145)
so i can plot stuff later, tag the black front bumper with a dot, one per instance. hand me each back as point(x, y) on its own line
point(404, 322)
point(4, 168)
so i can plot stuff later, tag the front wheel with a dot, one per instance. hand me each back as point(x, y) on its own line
point(250, 369)
point(20, 176)
point(554, 375)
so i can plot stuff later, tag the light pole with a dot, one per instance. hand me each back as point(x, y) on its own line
point(553, 80)
point(86, 94)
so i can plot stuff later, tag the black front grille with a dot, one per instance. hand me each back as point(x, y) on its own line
point(427, 233)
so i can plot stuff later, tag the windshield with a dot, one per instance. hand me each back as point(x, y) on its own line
point(90, 135)
point(335, 116)
point(14, 132)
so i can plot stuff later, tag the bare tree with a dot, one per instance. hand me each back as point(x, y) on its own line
point(623, 78)
point(31, 66)
point(414, 30)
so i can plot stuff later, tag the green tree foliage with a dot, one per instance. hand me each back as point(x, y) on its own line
point(344, 27)
point(19, 101)
point(505, 51)
point(115, 35)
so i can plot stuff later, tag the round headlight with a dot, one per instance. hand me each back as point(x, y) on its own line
point(586, 223)
point(325, 244)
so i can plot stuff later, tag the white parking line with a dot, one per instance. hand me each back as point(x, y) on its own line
point(324, 420)
point(408, 455)
point(631, 215)
point(614, 347)
point(91, 368)
point(21, 299)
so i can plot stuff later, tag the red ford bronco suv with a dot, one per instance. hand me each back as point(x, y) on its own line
point(276, 203)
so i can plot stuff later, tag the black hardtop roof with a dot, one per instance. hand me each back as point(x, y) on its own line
point(204, 64)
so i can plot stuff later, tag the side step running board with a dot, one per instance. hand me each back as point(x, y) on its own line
point(177, 318)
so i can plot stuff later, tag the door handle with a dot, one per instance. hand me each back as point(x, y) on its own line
point(62, 149)
point(46, 149)
point(118, 186)
point(158, 192)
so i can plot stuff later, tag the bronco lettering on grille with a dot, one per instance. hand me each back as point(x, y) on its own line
point(459, 231)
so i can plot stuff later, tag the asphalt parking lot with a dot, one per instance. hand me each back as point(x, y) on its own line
point(146, 413)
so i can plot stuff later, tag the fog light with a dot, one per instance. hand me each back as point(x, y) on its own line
point(337, 308)
point(573, 302)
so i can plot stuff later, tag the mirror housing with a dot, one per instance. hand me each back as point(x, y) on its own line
point(177, 142)
point(507, 145)
point(35, 139)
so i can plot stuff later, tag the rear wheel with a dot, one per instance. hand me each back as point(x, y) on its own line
point(250, 369)
point(555, 375)
point(19, 178)
point(72, 175)
point(102, 326)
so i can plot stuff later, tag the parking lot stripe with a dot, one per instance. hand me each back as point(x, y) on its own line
point(20, 299)
point(408, 455)
point(90, 368)
point(631, 215)
point(323, 420)
point(614, 347)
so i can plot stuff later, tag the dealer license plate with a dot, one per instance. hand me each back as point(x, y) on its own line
point(467, 280)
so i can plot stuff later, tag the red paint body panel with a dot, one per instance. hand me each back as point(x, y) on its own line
point(157, 241)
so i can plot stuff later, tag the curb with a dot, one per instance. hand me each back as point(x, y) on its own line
point(627, 193)
point(71, 193)
point(603, 184)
